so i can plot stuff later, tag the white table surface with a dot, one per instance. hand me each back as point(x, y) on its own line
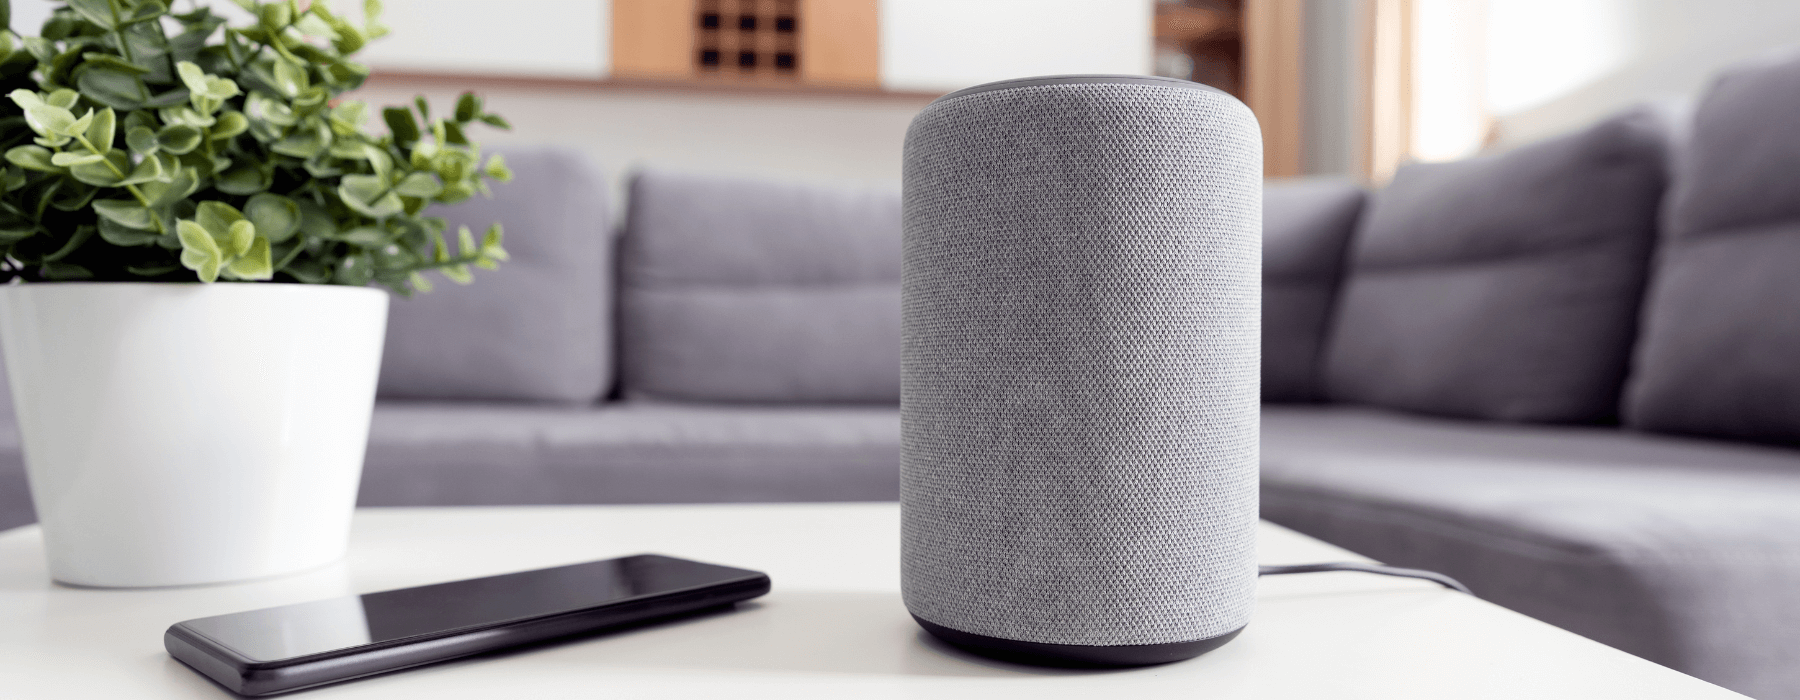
point(833, 627)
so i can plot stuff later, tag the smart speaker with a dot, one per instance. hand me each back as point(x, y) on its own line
point(1079, 374)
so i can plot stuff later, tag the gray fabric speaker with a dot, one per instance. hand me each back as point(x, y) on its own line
point(1079, 368)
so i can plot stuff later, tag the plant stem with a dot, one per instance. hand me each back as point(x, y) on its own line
point(145, 201)
point(125, 48)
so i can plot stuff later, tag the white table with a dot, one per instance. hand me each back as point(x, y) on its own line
point(834, 626)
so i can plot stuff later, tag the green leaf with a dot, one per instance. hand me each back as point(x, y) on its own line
point(424, 109)
point(97, 11)
point(147, 11)
point(44, 118)
point(178, 138)
point(490, 242)
point(276, 217)
point(186, 115)
point(468, 107)
point(142, 141)
point(33, 158)
point(65, 271)
point(148, 170)
point(420, 185)
point(80, 126)
point(354, 270)
point(112, 87)
point(308, 271)
point(74, 197)
point(199, 252)
point(454, 134)
point(64, 98)
point(114, 62)
point(305, 142)
point(112, 232)
point(44, 50)
point(73, 159)
point(244, 178)
point(348, 116)
point(419, 283)
point(368, 195)
point(182, 182)
point(290, 79)
point(81, 235)
point(124, 212)
point(465, 242)
point(151, 270)
point(366, 236)
point(315, 26)
point(192, 76)
point(239, 237)
point(100, 132)
point(496, 168)
point(457, 273)
point(275, 15)
point(217, 218)
point(230, 124)
point(400, 123)
point(254, 263)
point(168, 99)
point(496, 121)
point(11, 234)
point(315, 221)
point(107, 173)
point(5, 14)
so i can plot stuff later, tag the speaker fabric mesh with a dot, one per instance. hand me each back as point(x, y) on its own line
point(1080, 363)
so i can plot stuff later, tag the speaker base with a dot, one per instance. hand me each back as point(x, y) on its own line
point(1075, 655)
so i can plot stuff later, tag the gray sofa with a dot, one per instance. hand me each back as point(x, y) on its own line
point(1568, 375)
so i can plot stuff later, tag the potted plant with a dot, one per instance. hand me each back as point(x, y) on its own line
point(190, 225)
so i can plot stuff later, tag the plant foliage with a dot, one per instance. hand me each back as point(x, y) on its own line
point(143, 144)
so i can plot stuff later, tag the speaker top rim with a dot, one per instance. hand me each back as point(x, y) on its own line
point(1074, 79)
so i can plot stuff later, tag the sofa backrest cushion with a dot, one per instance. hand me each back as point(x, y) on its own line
point(1306, 226)
point(536, 329)
point(754, 291)
point(1720, 353)
point(1504, 287)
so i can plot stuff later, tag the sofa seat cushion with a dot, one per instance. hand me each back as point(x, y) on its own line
point(1684, 552)
point(630, 452)
point(1507, 286)
point(750, 291)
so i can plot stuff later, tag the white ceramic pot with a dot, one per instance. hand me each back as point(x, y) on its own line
point(184, 433)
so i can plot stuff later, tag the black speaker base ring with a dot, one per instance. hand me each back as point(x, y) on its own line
point(1075, 655)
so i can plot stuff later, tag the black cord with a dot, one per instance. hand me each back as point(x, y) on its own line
point(1382, 569)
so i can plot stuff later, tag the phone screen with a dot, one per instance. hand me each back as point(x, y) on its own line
point(290, 631)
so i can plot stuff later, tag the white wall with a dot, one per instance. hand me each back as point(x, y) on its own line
point(559, 38)
point(556, 38)
point(942, 45)
point(1589, 58)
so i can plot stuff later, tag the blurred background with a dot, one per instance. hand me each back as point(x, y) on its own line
point(824, 89)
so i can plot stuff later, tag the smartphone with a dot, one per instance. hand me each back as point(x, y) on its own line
point(275, 650)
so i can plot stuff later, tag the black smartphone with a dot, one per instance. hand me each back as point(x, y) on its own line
point(275, 650)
